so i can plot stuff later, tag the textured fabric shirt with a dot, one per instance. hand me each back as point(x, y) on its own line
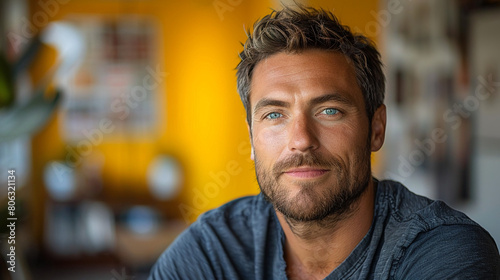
point(411, 237)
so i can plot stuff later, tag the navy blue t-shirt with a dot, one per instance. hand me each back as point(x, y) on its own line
point(411, 237)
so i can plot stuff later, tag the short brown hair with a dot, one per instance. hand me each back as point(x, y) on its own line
point(294, 30)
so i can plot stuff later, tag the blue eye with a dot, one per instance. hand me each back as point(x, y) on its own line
point(330, 111)
point(273, 115)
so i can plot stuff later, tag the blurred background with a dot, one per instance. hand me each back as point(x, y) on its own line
point(120, 122)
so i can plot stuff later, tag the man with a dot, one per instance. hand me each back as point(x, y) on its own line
point(313, 93)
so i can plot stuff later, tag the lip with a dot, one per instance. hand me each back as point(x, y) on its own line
point(306, 172)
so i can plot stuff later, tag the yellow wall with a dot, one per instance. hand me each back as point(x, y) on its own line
point(202, 121)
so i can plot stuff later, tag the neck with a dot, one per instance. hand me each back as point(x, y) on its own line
point(314, 249)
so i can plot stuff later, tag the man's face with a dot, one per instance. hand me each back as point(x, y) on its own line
point(310, 133)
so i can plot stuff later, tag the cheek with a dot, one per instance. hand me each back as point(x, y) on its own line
point(339, 138)
point(345, 141)
point(269, 141)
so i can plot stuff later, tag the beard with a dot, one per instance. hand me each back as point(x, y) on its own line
point(315, 202)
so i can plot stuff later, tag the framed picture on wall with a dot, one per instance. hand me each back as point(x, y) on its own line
point(111, 84)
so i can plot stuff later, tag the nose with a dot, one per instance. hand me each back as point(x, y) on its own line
point(302, 135)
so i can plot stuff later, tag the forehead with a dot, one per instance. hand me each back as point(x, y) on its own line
point(305, 75)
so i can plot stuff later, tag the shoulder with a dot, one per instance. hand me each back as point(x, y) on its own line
point(450, 252)
point(218, 236)
point(434, 240)
point(406, 206)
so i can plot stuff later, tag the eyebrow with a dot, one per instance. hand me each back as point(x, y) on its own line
point(331, 97)
point(265, 102)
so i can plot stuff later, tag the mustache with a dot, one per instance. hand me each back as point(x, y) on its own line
point(311, 159)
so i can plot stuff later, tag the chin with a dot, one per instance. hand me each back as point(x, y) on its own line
point(306, 205)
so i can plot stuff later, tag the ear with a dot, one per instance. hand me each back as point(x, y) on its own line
point(252, 153)
point(378, 128)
